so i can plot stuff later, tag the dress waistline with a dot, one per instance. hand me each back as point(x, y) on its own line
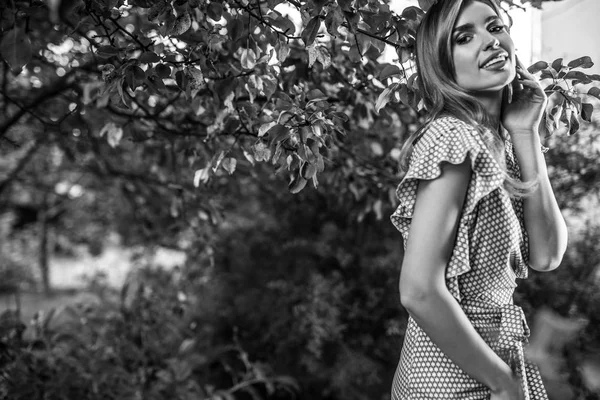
point(513, 333)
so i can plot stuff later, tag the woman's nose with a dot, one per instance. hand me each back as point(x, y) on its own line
point(491, 42)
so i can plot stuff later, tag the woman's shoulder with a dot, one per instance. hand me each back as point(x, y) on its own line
point(447, 131)
point(447, 122)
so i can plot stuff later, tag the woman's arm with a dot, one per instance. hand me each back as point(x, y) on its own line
point(545, 225)
point(423, 288)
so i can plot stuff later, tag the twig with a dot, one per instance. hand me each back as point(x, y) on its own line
point(55, 88)
point(20, 165)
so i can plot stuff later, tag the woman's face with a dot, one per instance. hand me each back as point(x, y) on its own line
point(482, 50)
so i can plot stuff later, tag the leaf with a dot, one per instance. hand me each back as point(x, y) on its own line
point(248, 59)
point(15, 48)
point(586, 112)
point(159, 8)
point(316, 95)
point(426, 4)
point(181, 369)
point(385, 97)
point(308, 170)
point(310, 32)
point(261, 152)
point(278, 133)
point(389, 70)
point(229, 164)
point(412, 13)
point(318, 53)
point(181, 80)
point(216, 161)
point(537, 67)
point(235, 29)
point(404, 53)
point(107, 51)
point(186, 346)
point(163, 71)
point(581, 62)
point(249, 157)
point(576, 75)
point(195, 78)
point(333, 20)
point(548, 73)
point(557, 64)
point(181, 25)
point(202, 175)
point(155, 83)
point(264, 128)
point(595, 91)
point(114, 133)
point(574, 124)
point(149, 57)
point(215, 11)
point(297, 184)
point(283, 50)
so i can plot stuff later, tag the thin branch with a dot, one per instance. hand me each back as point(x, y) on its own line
point(257, 17)
point(20, 165)
point(54, 89)
point(134, 37)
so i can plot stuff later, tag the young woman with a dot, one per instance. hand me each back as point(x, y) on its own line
point(476, 210)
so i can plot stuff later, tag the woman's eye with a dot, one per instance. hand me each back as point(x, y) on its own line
point(497, 28)
point(463, 39)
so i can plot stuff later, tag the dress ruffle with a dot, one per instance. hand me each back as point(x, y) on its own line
point(449, 140)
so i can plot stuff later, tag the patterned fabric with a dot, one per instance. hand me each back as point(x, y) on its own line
point(490, 251)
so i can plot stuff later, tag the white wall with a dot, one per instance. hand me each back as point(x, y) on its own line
point(571, 29)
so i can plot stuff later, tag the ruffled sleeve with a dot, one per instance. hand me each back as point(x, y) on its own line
point(449, 140)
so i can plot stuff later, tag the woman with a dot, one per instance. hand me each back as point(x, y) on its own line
point(476, 209)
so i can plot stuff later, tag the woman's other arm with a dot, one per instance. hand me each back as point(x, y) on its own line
point(545, 225)
point(423, 288)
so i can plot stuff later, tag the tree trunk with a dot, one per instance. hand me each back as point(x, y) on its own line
point(43, 260)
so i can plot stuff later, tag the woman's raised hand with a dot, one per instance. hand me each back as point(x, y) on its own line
point(522, 115)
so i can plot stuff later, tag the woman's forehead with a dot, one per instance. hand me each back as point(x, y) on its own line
point(476, 12)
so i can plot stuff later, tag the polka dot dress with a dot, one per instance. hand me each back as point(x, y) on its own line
point(490, 251)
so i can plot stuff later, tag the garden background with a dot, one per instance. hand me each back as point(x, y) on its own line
point(194, 199)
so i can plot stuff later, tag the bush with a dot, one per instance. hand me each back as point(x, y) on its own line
point(145, 342)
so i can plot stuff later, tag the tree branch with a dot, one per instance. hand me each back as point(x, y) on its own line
point(20, 165)
point(55, 88)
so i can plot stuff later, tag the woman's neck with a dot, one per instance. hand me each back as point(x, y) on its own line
point(492, 103)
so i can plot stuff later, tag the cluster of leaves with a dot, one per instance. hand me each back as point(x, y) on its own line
point(148, 342)
point(223, 81)
point(566, 107)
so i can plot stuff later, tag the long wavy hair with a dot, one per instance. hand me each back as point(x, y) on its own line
point(443, 96)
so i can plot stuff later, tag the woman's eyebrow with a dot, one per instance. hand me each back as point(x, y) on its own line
point(470, 26)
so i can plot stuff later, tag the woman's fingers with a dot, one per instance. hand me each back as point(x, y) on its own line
point(529, 81)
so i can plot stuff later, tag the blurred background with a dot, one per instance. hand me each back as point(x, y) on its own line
point(163, 233)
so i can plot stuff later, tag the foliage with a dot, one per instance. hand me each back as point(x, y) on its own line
point(336, 325)
point(146, 343)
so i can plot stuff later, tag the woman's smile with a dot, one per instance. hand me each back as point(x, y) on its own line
point(496, 61)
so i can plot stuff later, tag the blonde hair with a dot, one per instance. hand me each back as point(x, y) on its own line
point(443, 96)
